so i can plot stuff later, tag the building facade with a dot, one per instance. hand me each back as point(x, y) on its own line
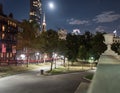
point(36, 12)
point(62, 33)
point(116, 39)
point(8, 37)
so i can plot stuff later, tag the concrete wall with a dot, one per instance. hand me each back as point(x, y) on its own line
point(107, 76)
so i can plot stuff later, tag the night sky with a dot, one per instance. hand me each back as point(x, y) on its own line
point(92, 15)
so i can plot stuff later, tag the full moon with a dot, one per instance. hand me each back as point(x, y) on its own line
point(51, 5)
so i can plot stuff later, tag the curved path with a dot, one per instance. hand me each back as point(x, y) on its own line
point(33, 82)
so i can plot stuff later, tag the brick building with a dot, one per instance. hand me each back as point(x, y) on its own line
point(8, 36)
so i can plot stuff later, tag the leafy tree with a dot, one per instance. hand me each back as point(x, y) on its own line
point(82, 52)
point(85, 45)
point(91, 46)
point(26, 37)
point(47, 42)
point(116, 47)
point(72, 47)
point(98, 45)
point(62, 48)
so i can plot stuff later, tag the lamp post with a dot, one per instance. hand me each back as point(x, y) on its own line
point(22, 56)
point(37, 54)
point(91, 60)
point(45, 56)
point(54, 58)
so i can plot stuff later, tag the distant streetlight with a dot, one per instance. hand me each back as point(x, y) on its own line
point(22, 56)
point(54, 57)
point(45, 56)
point(91, 60)
point(37, 54)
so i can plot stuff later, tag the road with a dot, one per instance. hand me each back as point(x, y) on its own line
point(33, 82)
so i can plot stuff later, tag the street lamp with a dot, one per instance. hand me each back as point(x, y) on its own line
point(37, 54)
point(91, 60)
point(22, 56)
point(54, 57)
point(45, 56)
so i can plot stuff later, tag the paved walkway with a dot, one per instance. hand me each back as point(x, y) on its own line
point(83, 87)
point(33, 82)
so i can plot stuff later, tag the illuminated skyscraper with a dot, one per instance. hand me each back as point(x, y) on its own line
point(36, 12)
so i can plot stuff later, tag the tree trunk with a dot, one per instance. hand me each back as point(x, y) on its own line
point(27, 57)
point(64, 61)
point(55, 63)
point(51, 65)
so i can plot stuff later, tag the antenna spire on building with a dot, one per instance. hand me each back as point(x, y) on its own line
point(44, 23)
point(44, 18)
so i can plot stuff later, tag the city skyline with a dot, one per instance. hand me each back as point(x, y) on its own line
point(94, 15)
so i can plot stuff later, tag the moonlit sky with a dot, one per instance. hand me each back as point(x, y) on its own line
point(92, 15)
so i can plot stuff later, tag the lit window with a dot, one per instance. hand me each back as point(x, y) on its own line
point(3, 35)
point(31, 13)
point(8, 22)
point(3, 28)
point(15, 25)
point(7, 55)
point(1, 54)
point(10, 54)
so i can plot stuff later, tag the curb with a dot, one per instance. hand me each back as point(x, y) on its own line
point(82, 88)
point(87, 79)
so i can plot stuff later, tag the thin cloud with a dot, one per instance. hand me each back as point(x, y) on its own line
point(73, 21)
point(118, 26)
point(100, 29)
point(109, 16)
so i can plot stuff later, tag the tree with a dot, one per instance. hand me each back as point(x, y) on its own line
point(85, 46)
point(98, 45)
point(28, 34)
point(91, 46)
point(72, 44)
point(82, 54)
point(116, 47)
point(62, 48)
point(26, 37)
point(47, 42)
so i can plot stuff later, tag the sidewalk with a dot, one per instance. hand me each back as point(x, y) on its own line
point(83, 87)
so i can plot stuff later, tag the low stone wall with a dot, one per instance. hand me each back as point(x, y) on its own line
point(107, 76)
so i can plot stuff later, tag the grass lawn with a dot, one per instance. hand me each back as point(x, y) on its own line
point(70, 69)
point(10, 70)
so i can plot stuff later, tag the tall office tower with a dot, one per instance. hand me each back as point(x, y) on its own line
point(36, 12)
